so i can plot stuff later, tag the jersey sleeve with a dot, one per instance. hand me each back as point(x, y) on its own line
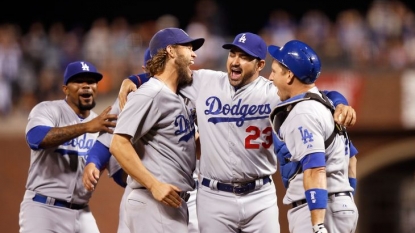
point(43, 114)
point(336, 97)
point(138, 116)
point(201, 79)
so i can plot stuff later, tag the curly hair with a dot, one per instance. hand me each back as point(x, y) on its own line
point(157, 63)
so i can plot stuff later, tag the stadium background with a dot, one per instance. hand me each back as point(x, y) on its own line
point(367, 51)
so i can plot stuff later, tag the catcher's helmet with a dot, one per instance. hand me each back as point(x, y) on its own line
point(298, 57)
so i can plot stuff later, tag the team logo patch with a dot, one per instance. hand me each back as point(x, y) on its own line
point(242, 39)
point(306, 136)
point(85, 67)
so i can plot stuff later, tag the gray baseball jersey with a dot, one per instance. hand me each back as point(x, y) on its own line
point(162, 130)
point(312, 119)
point(235, 133)
point(114, 166)
point(304, 131)
point(57, 172)
point(236, 146)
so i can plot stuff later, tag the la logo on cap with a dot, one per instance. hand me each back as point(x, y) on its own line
point(242, 39)
point(84, 66)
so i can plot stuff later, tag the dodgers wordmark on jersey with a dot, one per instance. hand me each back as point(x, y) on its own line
point(58, 171)
point(245, 152)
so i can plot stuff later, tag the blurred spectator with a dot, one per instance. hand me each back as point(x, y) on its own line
point(31, 62)
point(314, 28)
point(281, 26)
point(10, 65)
point(353, 37)
point(211, 55)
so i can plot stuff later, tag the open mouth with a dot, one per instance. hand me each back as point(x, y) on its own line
point(86, 96)
point(235, 74)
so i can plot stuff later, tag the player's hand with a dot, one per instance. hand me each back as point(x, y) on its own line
point(90, 176)
point(103, 122)
point(127, 86)
point(166, 194)
point(345, 115)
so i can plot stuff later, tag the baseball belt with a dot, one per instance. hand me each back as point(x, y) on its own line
point(237, 188)
point(56, 202)
point(183, 195)
point(339, 194)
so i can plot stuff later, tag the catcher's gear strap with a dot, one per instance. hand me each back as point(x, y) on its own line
point(281, 113)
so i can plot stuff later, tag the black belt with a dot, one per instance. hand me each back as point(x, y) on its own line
point(237, 188)
point(183, 195)
point(339, 194)
point(43, 199)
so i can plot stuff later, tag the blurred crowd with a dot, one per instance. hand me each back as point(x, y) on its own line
point(32, 62)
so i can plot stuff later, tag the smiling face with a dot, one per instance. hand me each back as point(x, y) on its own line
point(80, 93)
point(184, 60)
point(242, 67)
point(281, 77)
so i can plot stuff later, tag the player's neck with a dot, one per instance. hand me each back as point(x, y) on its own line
point(169, 82)
point(169, 78)
point(79, 112)
point(301, 88)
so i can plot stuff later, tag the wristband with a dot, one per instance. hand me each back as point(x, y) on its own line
point(353, 183)
point(99, 154)
point(316, 198)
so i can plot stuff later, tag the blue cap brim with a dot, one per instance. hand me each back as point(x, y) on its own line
point(196, 43)
point(229, 46)
point(95, 75)
point(275, 52)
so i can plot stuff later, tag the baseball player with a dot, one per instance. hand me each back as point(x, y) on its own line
point(319, 191)
point(154, 140)
point(99, 155)
point(235, 192)
point(59, 134)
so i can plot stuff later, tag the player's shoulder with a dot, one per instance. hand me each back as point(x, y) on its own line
point(49, 104)
point(207, 73)
point(148, 90)
point(311, 107)
point(265, 87)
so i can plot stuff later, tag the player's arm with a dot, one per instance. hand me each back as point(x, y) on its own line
point(353, 167)
point(42, 137)
point(129, 160)
point(98, 157)
point(197, 140)
point(315, 186)
point(344, 114)
point(120, 177)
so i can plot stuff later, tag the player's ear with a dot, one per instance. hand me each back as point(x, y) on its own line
point(290, 77)
point(65, 90)
point(170, 51)
point(260, 65)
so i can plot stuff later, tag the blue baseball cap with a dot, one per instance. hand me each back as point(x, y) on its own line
point(173, 36)
point(81, 67)
point(146, 56)
point(298, 57)
point(250, 43)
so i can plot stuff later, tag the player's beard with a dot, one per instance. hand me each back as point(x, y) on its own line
point(245, 79)
point(85, 107)
point(182, 65)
